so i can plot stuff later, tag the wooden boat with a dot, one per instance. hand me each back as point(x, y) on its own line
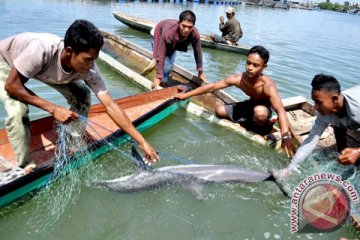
point(144, 110)
point(131, 59)
point(145, 25)
point(121, 55)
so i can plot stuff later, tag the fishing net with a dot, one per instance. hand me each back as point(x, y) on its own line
point(321, 161)
point(318, 162)
point(68, 175)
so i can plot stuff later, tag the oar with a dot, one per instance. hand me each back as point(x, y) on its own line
point(297, 139)
point(295, 135)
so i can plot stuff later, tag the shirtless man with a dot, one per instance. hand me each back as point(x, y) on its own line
point(257, 114)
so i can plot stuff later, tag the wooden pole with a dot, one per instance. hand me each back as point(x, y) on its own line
point(295, 135)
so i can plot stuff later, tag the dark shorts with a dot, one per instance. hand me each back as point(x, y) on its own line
point(242, 112)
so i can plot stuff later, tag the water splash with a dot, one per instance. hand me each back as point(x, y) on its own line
point(322, 161)
point(64, 187)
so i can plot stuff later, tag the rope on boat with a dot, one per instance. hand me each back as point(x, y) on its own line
point(166, 155)
point(175, 158)
point(61, 157)
point(62, 141)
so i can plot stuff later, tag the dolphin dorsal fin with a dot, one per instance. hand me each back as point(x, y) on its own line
point(138, 160)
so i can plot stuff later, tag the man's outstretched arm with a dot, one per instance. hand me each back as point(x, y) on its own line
point(123, 122)
point(211, 87)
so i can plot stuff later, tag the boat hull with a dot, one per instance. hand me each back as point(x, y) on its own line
point(42, 175)
point(145, 25)
point(131, 59)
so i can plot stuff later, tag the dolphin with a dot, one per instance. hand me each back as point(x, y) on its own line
point(192, 176)
point(183, 174)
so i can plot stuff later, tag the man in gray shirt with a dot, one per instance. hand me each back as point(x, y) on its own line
point(66, 65)
point(339, 109)
point(231, 30)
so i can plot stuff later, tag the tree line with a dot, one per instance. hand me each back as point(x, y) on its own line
point(346, 7)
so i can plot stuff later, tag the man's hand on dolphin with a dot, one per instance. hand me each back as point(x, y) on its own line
point(150, 153)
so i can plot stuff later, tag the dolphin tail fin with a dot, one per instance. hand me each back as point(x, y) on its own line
point(273, 179)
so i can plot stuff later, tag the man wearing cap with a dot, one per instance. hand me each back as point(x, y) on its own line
point(231, 30)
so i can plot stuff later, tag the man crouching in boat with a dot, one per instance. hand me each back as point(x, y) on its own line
point(171, 36)
point(339, 109)
point(259, 113)
point(231, 30)
point(61, 64)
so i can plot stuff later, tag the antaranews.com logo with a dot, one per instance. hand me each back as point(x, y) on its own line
point(321, 203)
